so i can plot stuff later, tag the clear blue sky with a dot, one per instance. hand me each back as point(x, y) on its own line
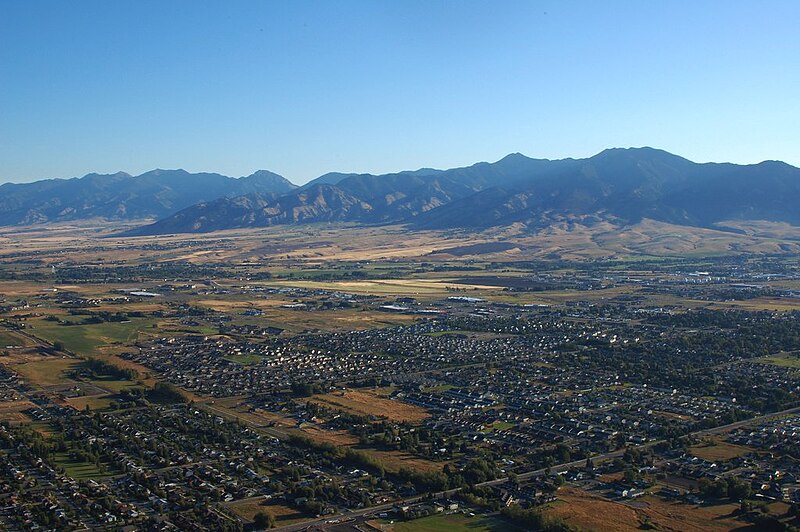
point(302, 88)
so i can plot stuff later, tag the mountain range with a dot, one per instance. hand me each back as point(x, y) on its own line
point(621, 185)
point(120, 196)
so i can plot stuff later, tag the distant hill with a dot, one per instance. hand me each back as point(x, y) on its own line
point(622, 185)
point(120, 196)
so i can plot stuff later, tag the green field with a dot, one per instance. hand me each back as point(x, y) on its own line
point(85, 339)
point(499, 425)
point(80, 470)
point(439, 388)
point(785, 360)
point(245, 360)
point(114, 385)
point(10, 340)
point(455, 523)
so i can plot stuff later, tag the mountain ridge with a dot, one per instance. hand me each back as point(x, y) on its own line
point(121, 196)
point(626, 185)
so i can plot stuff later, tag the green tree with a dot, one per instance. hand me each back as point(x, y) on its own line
point(263, 520)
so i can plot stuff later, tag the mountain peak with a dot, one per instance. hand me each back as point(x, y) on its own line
point(264, 173)
point(636, 152)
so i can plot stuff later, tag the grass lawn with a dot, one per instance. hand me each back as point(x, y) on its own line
point(499, 425)
point(80, 470)
point(455, 523)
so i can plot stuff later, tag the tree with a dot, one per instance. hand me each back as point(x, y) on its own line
point(263, 520)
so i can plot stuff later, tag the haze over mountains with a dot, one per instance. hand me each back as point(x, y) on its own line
point(120, 196)
point(620, 185)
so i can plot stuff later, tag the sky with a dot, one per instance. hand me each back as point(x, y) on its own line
point(304, 88)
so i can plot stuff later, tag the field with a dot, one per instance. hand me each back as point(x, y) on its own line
point(85, 339)
point(284, 515)
point(46, 371)
point(315, 244)
point(81, 470)
point(389, 287)
point(11, 411)
point(590, 512)
point(718, 451)
point(392, 460)
point(296, 320)
point(334, 320)
point(759, 303)
point(450, 523)
point(93, 402)
point(371, 404)
point(11, 339)
point(784, 360)
point(245, 360)
point(499, 425)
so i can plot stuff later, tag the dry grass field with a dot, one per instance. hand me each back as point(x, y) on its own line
point(46, 370)
point(716, 450)
point(284, 515)
point(93, 403)
point(314, 244)
point(371, 404)
point(392, 460)
point(759, 303)
point(590, 512)
point(11, 411)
